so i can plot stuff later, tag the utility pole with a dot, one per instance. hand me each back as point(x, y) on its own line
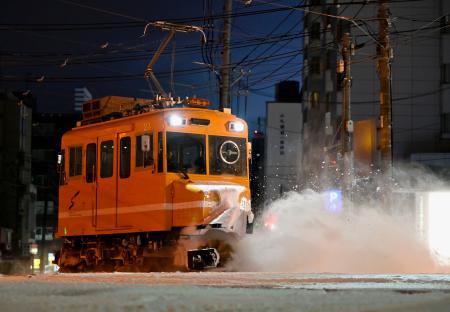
point(225, 68)
point(347, 123)
point(384, 72)
point(43, 251)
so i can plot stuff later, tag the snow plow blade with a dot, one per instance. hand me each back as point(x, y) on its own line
point(199, 259)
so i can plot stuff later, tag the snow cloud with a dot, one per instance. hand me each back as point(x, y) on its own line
point(361, 237)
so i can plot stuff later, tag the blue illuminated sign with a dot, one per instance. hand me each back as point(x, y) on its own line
point(333, 200)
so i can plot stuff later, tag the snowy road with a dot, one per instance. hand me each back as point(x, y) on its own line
point(217, 291)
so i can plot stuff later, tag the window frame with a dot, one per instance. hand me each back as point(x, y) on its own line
point(125, 168)
point(110, 172)
point(142, 165)
point(92, 174)
point(212, 169)
point(195, 166)
point(314, 31)
point(74, 171)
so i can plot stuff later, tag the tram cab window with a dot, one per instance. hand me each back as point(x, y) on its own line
point(186, 152)
point(144, 150)
point(125, 157)
point(227, 155)
point(75, 161)
point(91, 163)
point(107, 159)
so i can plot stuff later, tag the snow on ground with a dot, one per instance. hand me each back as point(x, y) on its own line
point(224, 291)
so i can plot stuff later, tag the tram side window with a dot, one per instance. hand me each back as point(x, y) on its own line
point(144, 150)
point(125, 157)
point(75, 162)
point(91, 154)
point(107, 159)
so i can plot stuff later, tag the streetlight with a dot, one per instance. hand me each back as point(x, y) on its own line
point(33, 252)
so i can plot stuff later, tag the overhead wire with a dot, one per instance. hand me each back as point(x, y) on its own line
point(256, 61)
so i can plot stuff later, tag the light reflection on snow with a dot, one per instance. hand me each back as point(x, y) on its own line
point(438, 225)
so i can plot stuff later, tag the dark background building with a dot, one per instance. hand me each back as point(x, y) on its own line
point(47, 129)
point(17, 194)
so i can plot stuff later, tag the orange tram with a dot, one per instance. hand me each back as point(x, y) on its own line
point(149, 185)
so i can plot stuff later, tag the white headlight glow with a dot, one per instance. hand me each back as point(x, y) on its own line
point(236, 126)
point(176, 121)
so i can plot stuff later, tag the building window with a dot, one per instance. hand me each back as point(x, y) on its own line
point(315, 99)
point(144, 150)
point(445, 73)
point(314, 32)
point(343, 27)
point(445, 123)
point(328, 99)
point(330, 59)
point(445, 24)
point(91, 156)
point(125, 157)
point(75, 161)
point(107, 159)
point(315, 65)
point(340, 81)
point(282, 134)
point(329, 17)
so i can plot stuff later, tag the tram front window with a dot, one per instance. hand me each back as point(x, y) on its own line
point(186, 153)
point(227, 156)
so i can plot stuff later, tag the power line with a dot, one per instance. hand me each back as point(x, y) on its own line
point(141, 22)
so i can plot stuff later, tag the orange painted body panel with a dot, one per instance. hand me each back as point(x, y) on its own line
point(149, 199)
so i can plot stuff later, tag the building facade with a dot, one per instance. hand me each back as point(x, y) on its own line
point(419, 35)
point(48, 129)
point(283, 144)
point(17, 193)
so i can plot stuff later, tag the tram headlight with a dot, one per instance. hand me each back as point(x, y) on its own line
point(211, 201)
point(211, 198)
point(176, 121)
point(236, 126)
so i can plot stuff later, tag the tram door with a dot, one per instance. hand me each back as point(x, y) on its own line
point(107, 182)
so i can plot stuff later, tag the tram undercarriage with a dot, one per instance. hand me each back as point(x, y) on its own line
point(145, 252)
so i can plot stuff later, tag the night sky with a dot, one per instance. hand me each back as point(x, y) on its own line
point(52, 46)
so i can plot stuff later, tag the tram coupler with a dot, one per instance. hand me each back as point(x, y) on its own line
point(199, 259)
